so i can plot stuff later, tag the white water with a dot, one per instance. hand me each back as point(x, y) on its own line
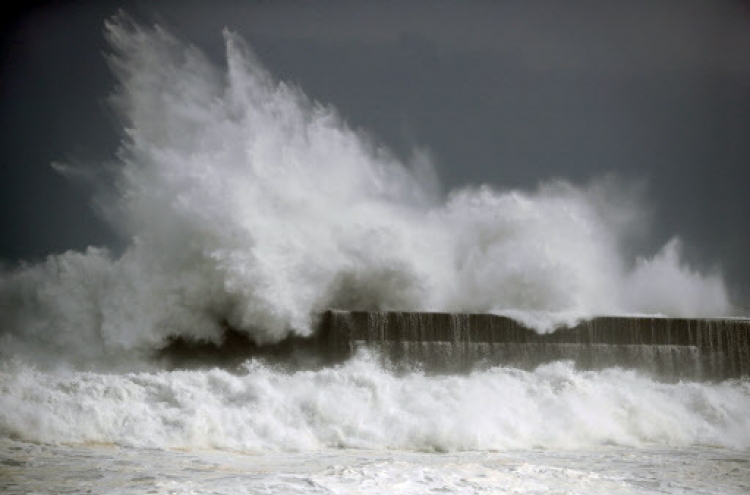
point(359, 428)
point(244, 201)
point(361, 405)
point(107, 470)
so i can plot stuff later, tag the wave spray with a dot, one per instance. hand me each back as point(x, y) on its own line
point(246, 204)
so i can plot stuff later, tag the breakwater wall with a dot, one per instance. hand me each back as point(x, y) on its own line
point(670, 347)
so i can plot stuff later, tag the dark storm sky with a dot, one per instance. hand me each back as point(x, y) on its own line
point(505, 93)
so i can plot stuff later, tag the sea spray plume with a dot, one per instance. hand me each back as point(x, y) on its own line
point(253, 185)
point(548, 251)
point(647, 286)
point(246, 204)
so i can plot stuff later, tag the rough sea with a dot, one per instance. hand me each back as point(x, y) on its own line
point(243, 204)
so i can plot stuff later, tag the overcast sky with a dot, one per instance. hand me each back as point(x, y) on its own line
point(504, 93)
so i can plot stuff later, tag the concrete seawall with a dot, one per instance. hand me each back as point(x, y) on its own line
point(671, 347)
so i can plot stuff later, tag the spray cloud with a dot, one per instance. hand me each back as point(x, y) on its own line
point(248, 204)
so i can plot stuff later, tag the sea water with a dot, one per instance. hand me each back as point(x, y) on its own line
point(101, 469)
point(361, 428)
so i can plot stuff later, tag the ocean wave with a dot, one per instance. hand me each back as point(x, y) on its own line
point(361, 404)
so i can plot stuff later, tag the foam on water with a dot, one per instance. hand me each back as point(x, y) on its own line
point(105, 470)
point(362, 405)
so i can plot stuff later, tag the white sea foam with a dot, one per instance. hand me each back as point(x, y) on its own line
point(244, 202)
point(101, 469)
point(362, 405)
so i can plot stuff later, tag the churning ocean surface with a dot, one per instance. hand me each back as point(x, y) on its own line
point(245, 205)
point(360, 428)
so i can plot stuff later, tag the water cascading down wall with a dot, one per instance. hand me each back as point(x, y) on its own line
point(669, 347)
